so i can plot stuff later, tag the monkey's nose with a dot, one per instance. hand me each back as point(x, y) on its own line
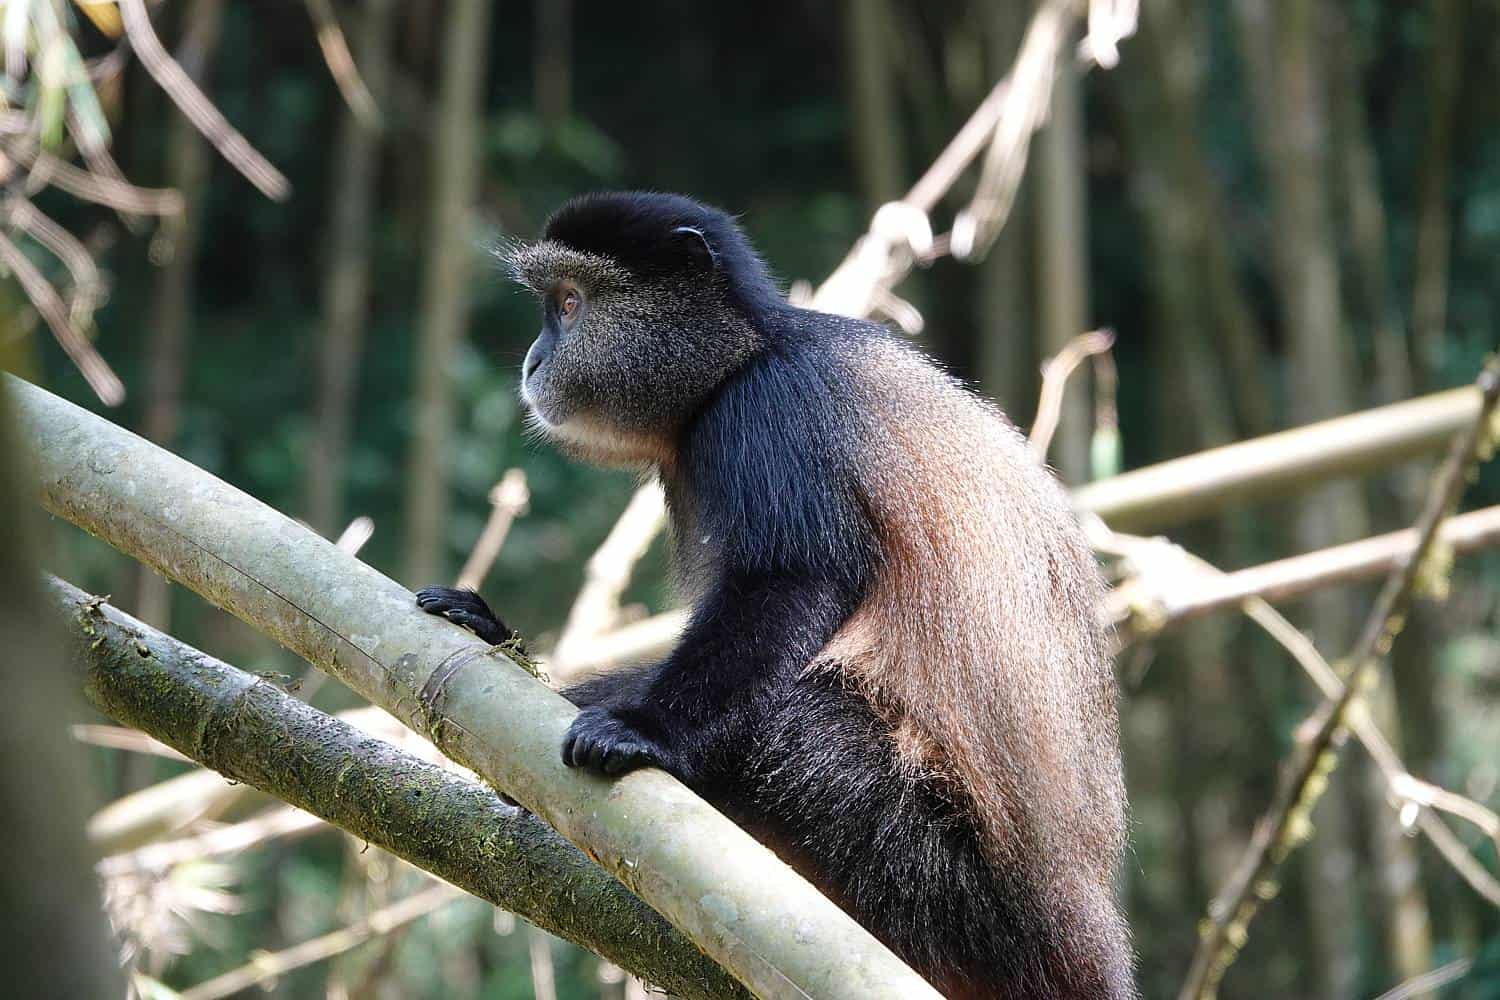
point(531, 364)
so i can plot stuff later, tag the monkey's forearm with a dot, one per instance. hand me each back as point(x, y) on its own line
point(746, 637)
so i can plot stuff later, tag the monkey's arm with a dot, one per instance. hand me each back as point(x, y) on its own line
point(764, 472)
point(748, 638)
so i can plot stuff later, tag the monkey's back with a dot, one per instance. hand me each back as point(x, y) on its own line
point(949, 767)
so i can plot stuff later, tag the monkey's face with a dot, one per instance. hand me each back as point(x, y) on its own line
point(622, 361)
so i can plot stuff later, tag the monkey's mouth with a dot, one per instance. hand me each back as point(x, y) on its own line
point(543, 415)
point(533, 404)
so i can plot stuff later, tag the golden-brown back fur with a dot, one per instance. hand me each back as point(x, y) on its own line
point(969, 636)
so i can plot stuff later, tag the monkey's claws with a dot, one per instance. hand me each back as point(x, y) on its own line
point(601, 742)
point(466, 608)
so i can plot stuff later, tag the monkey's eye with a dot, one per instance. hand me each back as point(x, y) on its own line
point(567, 306)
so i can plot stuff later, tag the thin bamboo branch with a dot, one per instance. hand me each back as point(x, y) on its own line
point(1028, 101)
point(267, 967)
point(543, 969)
point(900, 233)
point(98, 188)
point(120, 738)
point(730, 894)
point(341, 64)
point(1425, 984)
point(164, 809)
point(100, 163)
point(597, 605)
point(95, 370)
point(199, 109)
point(632, 643)
point(1305, 773)
point(88, 286)
point(508, 501)
point(1144, 605)
point(1055, 375)
point(235, 838)
point(448, 825)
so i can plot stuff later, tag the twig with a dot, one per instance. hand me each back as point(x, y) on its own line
point(355, 534)
point(1305, 773)
point(120, 738)
point(1110, 23)
point(341, 64)
point(266, 967)
point(96, 371)
point(1404, 787)
point(508, 501)
point(164, 808)
point(543, 969)
point(1429, 981)
point(1457, 855)
point(15, 31)
point(159, 858)
point(199, 110)
point(597, 605)
point(102, 164)
point(95, 187)
point(88, 287)
point(637, 641)
point(1028, 100)
point(1055, 375)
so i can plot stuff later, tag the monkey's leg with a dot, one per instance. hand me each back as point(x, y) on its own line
point(466, 608)
point(746, 637)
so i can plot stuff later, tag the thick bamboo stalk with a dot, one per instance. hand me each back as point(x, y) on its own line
point(745, 908)
point(251, 731)
point(1209, 481)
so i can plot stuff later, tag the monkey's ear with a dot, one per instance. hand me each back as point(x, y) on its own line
point(694, 242)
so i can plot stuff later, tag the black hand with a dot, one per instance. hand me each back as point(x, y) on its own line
point(466, 608)
point(600, 741)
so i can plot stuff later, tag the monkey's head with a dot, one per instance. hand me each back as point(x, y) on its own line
point(649, 302)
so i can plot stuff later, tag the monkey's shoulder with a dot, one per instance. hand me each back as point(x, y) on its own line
point(770, 469)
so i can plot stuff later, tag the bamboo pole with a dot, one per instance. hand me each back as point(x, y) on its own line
point(1210, 481)
point(746, 909)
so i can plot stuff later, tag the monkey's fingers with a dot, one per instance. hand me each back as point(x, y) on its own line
point(465, 608)
point(600, 742)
